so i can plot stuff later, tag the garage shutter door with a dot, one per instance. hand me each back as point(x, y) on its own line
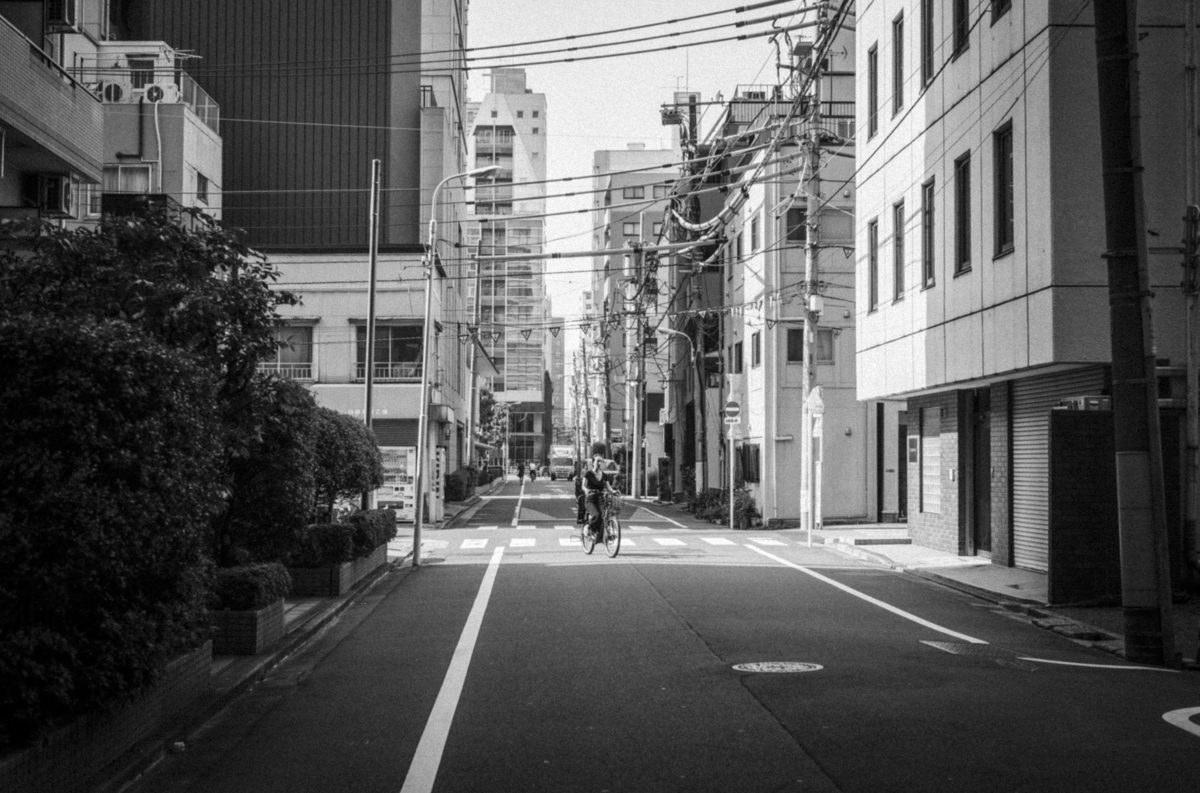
point(396, 432)
point(1032, 400)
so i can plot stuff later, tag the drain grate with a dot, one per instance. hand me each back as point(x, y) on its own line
point(778, 667)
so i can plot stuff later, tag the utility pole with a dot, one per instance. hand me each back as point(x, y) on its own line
point(812, 304)
point(1191, 292)
point(635, 376)
point(373, 257)
point(473, 394)
point(1145, 575)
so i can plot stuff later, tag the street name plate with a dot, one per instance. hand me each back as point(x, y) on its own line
point(733, 419)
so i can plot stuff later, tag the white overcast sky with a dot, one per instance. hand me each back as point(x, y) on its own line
point(606, 104)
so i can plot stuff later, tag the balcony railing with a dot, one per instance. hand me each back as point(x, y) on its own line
point(292, 371)
point(393, 372)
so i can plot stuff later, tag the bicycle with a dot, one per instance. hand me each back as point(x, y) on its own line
point(610, 511)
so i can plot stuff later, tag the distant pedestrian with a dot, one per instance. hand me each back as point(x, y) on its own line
point(521, 472)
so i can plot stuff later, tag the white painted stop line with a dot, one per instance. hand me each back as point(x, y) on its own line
point(474, 543)
point(488, 528)
point(765, 541)
point(519, 542)
point(718, 541)
point(668, 541)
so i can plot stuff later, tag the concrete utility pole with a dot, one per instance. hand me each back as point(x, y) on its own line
point(635, 375)
point(1191, 291)
point(812, 306)
point(373, 258)
point(1145, 575)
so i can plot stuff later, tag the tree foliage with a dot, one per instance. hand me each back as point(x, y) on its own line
point(348, 461)
point(493, 419)
point(108, 464)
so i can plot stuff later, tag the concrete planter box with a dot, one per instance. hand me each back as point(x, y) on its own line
point(247, 632)
point(74, 757)
point(335, 579)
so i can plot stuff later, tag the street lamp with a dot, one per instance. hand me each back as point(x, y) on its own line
point(423, 423)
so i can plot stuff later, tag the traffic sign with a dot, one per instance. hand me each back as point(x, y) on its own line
point(733, 419)
point(732, 410)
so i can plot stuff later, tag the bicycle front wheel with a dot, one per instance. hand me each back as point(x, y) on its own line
point(612, 536)
point(589, 540)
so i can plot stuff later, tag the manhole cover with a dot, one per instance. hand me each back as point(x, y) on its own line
point(778, 667)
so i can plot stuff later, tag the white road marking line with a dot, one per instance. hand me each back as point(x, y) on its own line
point(1124, 667)
point(1182, 718)
point(434, 545)
point(488, 528)
point(662, 517)
point(626, 541)
point(668, 541)
point(474, 543)
point(864, 596)
point(517, 510)
point(765, 541)
point(566, 541)
point(718, 541)
point(638, 528)
point(423, 771)
point(522, 542)
point(564, 528)
point(526, 527)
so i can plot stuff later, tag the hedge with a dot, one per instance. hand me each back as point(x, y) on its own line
point(325, 544)
point(249, 587)
point(460, 485)
point(109, 459)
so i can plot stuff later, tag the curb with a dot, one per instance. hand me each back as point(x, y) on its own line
point(141, 758)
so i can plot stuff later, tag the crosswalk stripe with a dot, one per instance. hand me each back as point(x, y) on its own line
point(518, 542)
point(474, 543)
point(525, 527)
point(639, 528)
point(765, 541)
point(626, 541)
point(668, 541)
point(568, 541)
point(718, 541)
point(564, 528)
point(487, 528)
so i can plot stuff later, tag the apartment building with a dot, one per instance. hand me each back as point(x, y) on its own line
point(981, 290)
point(631, 191)
point(508, 128)
point(311, 94)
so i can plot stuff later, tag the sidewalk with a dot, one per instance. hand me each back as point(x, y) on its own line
point(1018, 590)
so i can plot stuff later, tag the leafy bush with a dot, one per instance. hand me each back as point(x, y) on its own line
point(460, 485)
point(325, 544)
point(687, 482)
point(109, 464)
point(249, 587)
point(347, 458)
point(274, 484)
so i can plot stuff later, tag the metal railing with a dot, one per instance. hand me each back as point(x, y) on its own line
point(390, 371)
point(200, 102)
point(292, 371)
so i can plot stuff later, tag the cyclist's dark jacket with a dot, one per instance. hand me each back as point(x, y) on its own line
point(594, 484)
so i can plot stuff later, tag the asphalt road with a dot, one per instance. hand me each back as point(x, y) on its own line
point(511, 661)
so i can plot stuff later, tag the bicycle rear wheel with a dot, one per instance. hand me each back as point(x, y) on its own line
point(612, 536)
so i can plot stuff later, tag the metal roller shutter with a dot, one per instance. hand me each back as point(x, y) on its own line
point(1032, 399)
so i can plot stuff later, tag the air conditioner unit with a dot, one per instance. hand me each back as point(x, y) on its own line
point(162, 92)
point(61, 15)
point(55, 196)
point(112, 93)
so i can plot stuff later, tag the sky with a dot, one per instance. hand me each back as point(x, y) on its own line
point(609, 103)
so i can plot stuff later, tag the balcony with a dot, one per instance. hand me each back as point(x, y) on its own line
point(402, 372)
point(291, 371)
point(55, 124)
point(128, 72)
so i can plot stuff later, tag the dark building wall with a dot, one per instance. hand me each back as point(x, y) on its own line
point(1001, 475)
point(318, 72)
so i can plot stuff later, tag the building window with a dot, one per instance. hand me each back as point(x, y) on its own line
point(962, 25)
point(898, 63)
point(397, 352)
point(737, 247)
point(521, 422)
point(756, 348)
point(633, 192)
point(293, 354)
point(931, 460)
point(657, 229)
point(535, 113)
point(535, 131)
point(898, 250)
point(872, 90)
point(630, 229)
point(999, 9)
point(927, 11)
point(824, 348)
point(520, 114)
point(90, 199)
point(1005, 205)
point(927, 197)
point(201, 188)
point(873, 265)
point(795, 345)
point(662, 190)
point(962, 214)
point(493, 114)
point(127, 178)
point(754, 232)
point(797, 225)
point(735, 358)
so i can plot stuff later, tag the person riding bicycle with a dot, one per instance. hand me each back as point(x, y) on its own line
point(595, 483)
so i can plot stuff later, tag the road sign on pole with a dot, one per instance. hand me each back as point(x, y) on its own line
point(732, 409)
